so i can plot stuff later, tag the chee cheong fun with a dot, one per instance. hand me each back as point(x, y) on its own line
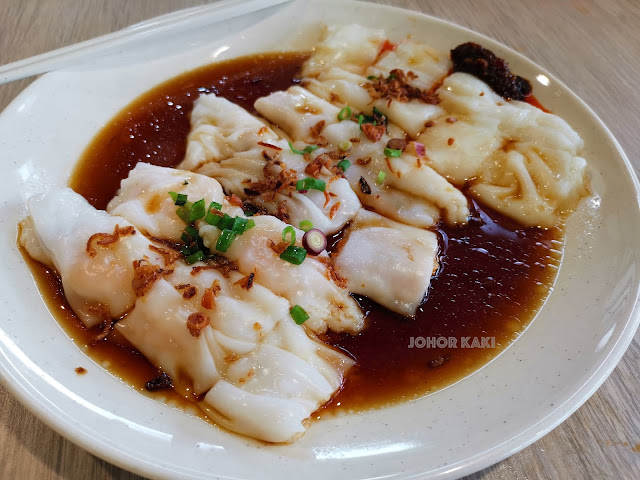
point(230, 272)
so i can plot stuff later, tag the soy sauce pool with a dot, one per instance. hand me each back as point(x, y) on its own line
point(494, 274)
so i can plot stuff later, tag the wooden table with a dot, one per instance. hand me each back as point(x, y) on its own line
point(592, 45)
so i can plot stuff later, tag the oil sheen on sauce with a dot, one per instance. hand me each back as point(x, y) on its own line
point(493, 278)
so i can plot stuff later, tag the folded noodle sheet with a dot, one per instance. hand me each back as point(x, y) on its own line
point(257, 372)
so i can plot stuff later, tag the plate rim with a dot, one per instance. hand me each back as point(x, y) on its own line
point(34, 402)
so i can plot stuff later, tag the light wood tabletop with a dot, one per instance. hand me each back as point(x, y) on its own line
point(591, 45)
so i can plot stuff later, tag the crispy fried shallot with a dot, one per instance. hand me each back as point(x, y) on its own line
point(197, 322)
point(106, 239)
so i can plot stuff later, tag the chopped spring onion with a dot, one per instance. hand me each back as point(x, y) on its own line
point(185, 250)
point(314, 241)
point(226, 222)
point(190, 235)
point(195, 257)
point(345, 113)
point(298, 314)
point(372, 77)
point(295, 255)
point(290, 232)
point(366, 119)
point(178, 198)
point(239, 225)
point(310, 184)
point(211, 218)
point(197, 211)
point(381, 176)
point(344, 164)
point(389, 152)
point(225, 240)
point(307, 149)
point(345, 145)
point(184, 212)
point(194, 249)
point(306, 225)
point(379, 116)
point(378, 113)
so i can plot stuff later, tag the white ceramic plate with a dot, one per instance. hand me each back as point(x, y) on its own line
point(563, 357)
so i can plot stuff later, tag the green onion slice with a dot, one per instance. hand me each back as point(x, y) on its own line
point(193, 249)
point(306, 225)
point(344, 164)
point(178, 198)
point(345, 113)
point(239, 225)
point(311, 184)
point(307, 149)
point(381, 176)
point(295, 255)
point(226, 222)
point(291, 233)
point(298, 314)
point(181, 200)
point(190, 235)
point(212, 218)
point(345, 145)
point(366, 119)
point(195, 257)
point(379, 115)
point(198, 211)
point(225, 240)
point(389, 152)
point(372, 77)
point(184, 212)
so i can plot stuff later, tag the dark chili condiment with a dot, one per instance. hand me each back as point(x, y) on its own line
point(494, 274)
